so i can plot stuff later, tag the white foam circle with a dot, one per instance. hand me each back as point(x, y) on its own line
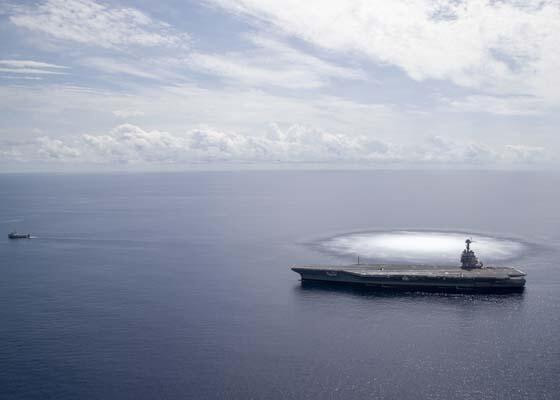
point(424, 247)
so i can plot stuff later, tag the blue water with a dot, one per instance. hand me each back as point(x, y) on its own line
point(177, 286)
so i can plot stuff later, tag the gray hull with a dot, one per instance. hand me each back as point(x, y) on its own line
point(19, 236)
point(417, 277)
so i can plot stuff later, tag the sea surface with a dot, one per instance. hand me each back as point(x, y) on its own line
point(177, 286)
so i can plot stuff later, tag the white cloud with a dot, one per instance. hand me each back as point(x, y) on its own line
point(268, 62)
point(526, 154)
point(303, 143)
point(30, 71)
point(97, 24)
point(20, 77)
point(505, 105)
point(11, 154)
point(55, 149)
point(112, 66)
point(128, 113)
point(30, 67)
point(68, 109)
point(28, 64)
point(439, 149)
point(499, 46)
point(130, 144)
point(272, 62)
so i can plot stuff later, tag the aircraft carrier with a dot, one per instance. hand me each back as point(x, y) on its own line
point(471, 275)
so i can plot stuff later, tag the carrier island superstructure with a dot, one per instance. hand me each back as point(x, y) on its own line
point(471, 275)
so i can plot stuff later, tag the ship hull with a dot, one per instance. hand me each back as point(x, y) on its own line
point(418, 278)
point(19, 236)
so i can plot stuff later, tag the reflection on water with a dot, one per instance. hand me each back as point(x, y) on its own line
point(312, 289)
point(418, 246)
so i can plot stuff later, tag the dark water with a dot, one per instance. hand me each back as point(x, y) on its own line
point(176, 286)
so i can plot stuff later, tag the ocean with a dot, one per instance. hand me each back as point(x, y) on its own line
point(178, 286)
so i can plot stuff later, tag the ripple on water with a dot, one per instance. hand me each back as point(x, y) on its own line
point(419, 246)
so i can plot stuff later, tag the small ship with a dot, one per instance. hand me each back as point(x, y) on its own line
point(16, 235)
point(471, 275)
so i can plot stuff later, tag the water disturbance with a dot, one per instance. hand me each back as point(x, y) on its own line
point(420, 246)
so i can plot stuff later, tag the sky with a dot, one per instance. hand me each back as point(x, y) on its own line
point(141, 85)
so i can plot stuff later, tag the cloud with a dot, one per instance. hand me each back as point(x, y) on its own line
point(268, 62)
point(271, 62)
point(128, 113)
point(499, 46)
point(27, 78)
point(28, 64)
point(55, 149)
point(504, 105)
point(112, 66)
point(439, 149)
point(30, 67)
point(301, 143)
point(296, 144)
point(178, 107)
point(30, 71)
point(11, 153)
point(526, 154)
point(321, 128)
point(96, 24)
point(129, 144)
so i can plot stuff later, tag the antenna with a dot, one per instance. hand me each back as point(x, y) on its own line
point(358, 260)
